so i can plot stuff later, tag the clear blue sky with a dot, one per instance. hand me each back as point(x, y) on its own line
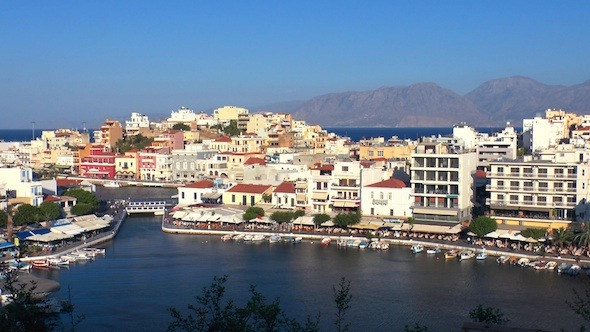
point(68, 62)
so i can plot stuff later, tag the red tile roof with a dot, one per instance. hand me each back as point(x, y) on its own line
point(223, 139)
point(286, 187)
point(249, 188)
point(51, 198)
point(67, 182)
point(389, 183)
point(253, 160)
point(200, 184)
point(323, 167)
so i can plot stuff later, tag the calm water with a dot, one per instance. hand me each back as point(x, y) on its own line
point(355, 134)
point(145, 271)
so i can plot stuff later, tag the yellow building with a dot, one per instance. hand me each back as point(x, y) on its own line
point(386, 150)
point(126, 166)
point(246, 194)
point(227, 113)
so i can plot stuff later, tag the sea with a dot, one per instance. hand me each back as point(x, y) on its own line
point(355, 134)
point(146, 271)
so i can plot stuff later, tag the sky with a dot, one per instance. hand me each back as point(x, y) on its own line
point(65, 64)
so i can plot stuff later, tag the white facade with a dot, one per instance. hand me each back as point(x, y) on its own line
point(183, 115)
point(136, 123)
point(388, 198)
point(21, 181)
point(540, 133)
point(442, 182)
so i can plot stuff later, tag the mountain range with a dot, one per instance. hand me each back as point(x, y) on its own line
point(492, 104)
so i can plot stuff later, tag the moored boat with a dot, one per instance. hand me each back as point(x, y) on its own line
point(18, 265)
point(451, 254)
point(274, 238)
point(551, 265)
point(433, 251)
point(326, 241)
point(40, 264)
point(258, 237)
point(111, 184)
point(363, 244)
point(58, 261)
point(226, 237)
point(417, 248)
point(297, 240)
point(238, 237)
point(466, 254)
point(502, 259)
point(482, 255)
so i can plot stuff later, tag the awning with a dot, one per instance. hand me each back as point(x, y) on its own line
point(350, 204)
point(300, 185)
point(328, 223)
point(420, 228)
point(301, 197)
point(6, 245)
point(179, 214)
point(69, 229)
point(320, 196)
point(304, 221)
point(49, 237)
point(339, 204)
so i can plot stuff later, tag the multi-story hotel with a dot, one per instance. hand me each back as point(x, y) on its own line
point(442, 182)
point(539, 192)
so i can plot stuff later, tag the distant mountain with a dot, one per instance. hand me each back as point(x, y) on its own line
point(493, 103)
point(280, 107)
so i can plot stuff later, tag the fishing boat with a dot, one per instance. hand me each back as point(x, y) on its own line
point(383, 246)
point(466, 254)
point(258, 238)
point(111, 184)
point(18, 265)
point(417, 248)
point(95, 251)
point(40, 264)
point(433, 251)
point(248, 237)
point(238, 237)
point(551, 265)
point(451, 254)
point(58, 262)
point(363, 244)
point(482, 255)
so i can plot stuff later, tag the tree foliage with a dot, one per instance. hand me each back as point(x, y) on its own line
point(320, 218)
point(133, 142)
point(81, 209)
point(535, 233)
point(3, 218)
point(342, 298)
point(488, 315)
point(213, 312)
point(231, 129)
point(49, 210)
point(282, 216)
point(84, 196)
point(562, 236)
point(253, 212)
point(583, 238)
point(343, 220)
point(181, 126)
point(298, 213)
point(26, 214)
point(483, 225)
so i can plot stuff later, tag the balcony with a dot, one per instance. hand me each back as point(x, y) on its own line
point(379, 202)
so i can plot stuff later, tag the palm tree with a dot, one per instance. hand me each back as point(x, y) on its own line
point(562, 237)
point(583, 239)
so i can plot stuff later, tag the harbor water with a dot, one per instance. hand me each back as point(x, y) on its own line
point(146, 271)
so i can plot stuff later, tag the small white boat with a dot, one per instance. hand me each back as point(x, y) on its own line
point(363, 244)
point(417, 248)
point(258, 237)
point(18, 265)
point(226, 237)
point(502, 259)
point(349, 242)
point(111, 184)
point(238, 237)
point(562, 268)
point(433, 251)
point(248, 237)
point(58, 261)
point(274, 238)
point(383, 246)
point(326, 241)
point(524, 261)
point(297, 240)
point(482, 255)
point(466, 254)
point(551, 265)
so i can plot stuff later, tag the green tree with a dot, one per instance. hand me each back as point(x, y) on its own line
point(181, 126)
point(213, 312)
point(3, 218)
point(266, 198)
point(232, 128)
point(282, 216)
point(562, 237)
point(483, 225)
point(298, 213)
point(344, 220)
point(50, 210)
point(133, 142)
point(535, 233)
point(81, 209)
point(84, 196)
point(583, 238)
point(26, 312)
point(488, 315)
point(253, 212)
point(26, 214)
point(342, 298)
point(320, 218)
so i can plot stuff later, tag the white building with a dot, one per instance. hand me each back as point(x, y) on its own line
point(539, 193)
point(200, 191)
point(20, 180)
point(183, 115)
point(544, 132)
point(391, 197)
point(442, 182)
point(137, 122)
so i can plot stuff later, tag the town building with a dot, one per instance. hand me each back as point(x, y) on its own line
point(19, 186)
point(442, 181)
point(246, 194)
point(138, 124)
point(284, 196)
point(109, 133)
point(387, 198)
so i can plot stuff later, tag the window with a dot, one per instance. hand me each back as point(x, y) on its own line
point(233, 198)
point(344, 168)
point(391, 212)
point(380, 153)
